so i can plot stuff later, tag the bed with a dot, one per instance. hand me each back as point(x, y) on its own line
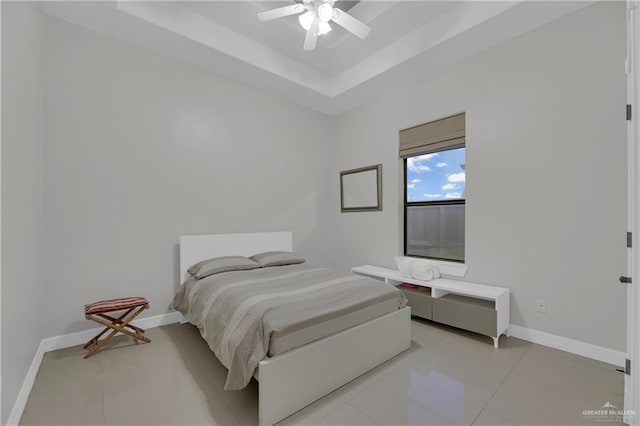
point(290, 379)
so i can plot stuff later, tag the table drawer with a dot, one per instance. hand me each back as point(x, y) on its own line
point(420, 302)
point(471, 314)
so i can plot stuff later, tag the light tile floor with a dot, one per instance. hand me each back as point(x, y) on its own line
point(448, 377)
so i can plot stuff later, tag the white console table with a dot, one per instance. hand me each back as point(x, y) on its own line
point(458, 303)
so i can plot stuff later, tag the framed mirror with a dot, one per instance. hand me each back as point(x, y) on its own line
point(361, 189)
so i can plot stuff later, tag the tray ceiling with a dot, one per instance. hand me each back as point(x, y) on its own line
point(409, 41)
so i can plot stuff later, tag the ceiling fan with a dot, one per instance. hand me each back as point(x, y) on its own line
point(315, 19)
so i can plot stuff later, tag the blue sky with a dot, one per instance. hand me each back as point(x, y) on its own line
point(435, 177)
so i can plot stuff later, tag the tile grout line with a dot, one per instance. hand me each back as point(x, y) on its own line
point(484, 407)
point(356, 408)
point(218, 394)
point(191, 407)
point(104, 417)
point(201, 370)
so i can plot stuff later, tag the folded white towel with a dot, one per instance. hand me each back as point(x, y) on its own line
point(420, 269)
point(404, 265)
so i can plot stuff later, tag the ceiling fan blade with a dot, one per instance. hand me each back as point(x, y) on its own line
point(281, 12)
point(311, 38)
point(350, 23)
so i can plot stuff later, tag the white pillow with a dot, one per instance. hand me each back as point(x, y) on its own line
point(218, 265)
point(276, 258)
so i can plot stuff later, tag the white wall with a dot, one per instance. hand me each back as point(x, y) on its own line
point(22, 65)
point(546, 164)
point(141, 149)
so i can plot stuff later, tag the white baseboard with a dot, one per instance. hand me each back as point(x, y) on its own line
point(25, 390)
point(577, 347)
point(66, 341)
point(72, 339)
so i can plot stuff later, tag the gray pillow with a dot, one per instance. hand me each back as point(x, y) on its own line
point(277, 258)
point(218, 265)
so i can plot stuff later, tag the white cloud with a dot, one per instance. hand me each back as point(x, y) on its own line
point(456, 177)
point(425, 157)
point(432, 195)
point(441, 165)
point(451, 195)
point(414, 181)
point(411, 185)
point(449, 186)
point(414, 165)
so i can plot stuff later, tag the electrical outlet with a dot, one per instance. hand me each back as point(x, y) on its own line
point(541, 305)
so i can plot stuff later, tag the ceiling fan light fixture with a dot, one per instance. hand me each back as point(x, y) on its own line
point(323, 28)
point(325, 12)
point(306, 19)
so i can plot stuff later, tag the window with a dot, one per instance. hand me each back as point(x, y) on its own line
point(434, 188)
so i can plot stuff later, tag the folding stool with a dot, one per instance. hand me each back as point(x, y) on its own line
point(98, 312)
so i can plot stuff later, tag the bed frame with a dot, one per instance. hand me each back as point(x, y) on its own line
point(293, 380)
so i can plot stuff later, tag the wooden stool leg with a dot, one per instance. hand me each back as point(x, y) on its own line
point(99, 344)
point(95, 339)
point(119, 321)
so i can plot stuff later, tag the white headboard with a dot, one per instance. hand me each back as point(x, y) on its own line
point(194, 248)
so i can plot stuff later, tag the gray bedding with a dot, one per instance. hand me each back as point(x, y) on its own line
point(238, 312)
